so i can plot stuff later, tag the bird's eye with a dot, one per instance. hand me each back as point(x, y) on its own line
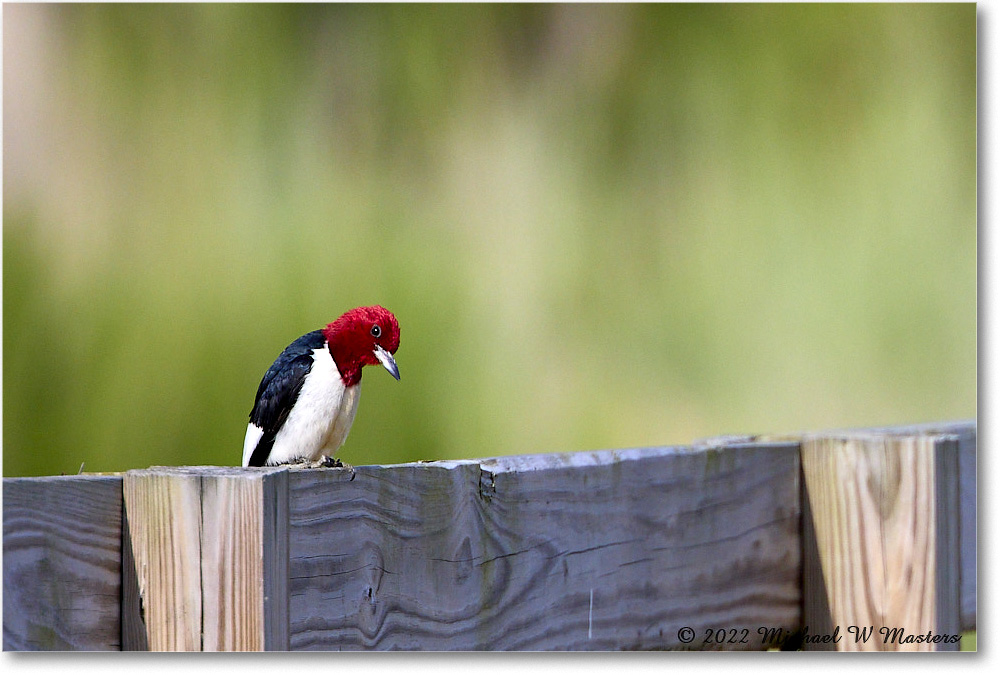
point(376, 331)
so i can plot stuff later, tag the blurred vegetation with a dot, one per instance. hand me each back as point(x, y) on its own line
point(600, 226)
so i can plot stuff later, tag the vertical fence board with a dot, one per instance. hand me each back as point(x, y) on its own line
point(232, 564)
point(966, 433)
point(61, 562)
point(216, 571)
point(163, 509)
point(877, 522)
point(967, 439)
point(817, 618)
point(275, 540)
point(244, 560)
point(133, 624)
point(947, 533)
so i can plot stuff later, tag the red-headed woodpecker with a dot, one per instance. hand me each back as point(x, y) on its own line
point(306, 402)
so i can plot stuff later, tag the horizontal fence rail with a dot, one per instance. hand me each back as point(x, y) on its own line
point(858, 539)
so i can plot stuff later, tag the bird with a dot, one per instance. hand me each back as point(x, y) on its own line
point(307, 400)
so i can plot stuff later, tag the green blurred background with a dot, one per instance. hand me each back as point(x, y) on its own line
point(599, 226)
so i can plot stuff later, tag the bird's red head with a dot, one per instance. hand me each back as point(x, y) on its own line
point(364, 336)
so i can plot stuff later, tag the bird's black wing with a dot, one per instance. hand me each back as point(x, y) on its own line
point(279, 390)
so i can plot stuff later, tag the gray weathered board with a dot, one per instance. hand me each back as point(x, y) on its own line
point(617, 549)
point(605, 550)
point(960, 436)
point(62, 563)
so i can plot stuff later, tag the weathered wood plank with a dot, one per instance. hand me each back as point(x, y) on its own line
point(947, 533)
point(274, 503)
point(61, 562)
point(134, 633)
point(210, 550)
point(967, 440)
point(817, 617)
point(966, 433)
point(606, 550)
point(884, 511)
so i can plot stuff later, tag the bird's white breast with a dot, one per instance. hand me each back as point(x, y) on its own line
point(321, 417)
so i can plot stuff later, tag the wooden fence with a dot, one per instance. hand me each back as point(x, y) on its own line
point(837, 540)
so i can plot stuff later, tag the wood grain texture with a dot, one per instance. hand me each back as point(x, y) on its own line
point(967, 441)
point(817, 617)
point(965, 433)
point(210, 550)
point(134, 633)
point(243, 528)
point(947, 535)
point(163, 509)
point(605, 550)
point(274, 521)
point(61, 563)
point(879, 514)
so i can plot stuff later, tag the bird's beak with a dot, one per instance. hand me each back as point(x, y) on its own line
point(385, 358)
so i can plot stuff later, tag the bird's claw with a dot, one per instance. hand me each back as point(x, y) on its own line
point(326, 462)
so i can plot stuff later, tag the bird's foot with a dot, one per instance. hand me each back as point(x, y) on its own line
point(326, 462)
point(299, 463)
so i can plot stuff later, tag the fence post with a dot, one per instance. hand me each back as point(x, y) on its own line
point(883, 517)
point(210, 553)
